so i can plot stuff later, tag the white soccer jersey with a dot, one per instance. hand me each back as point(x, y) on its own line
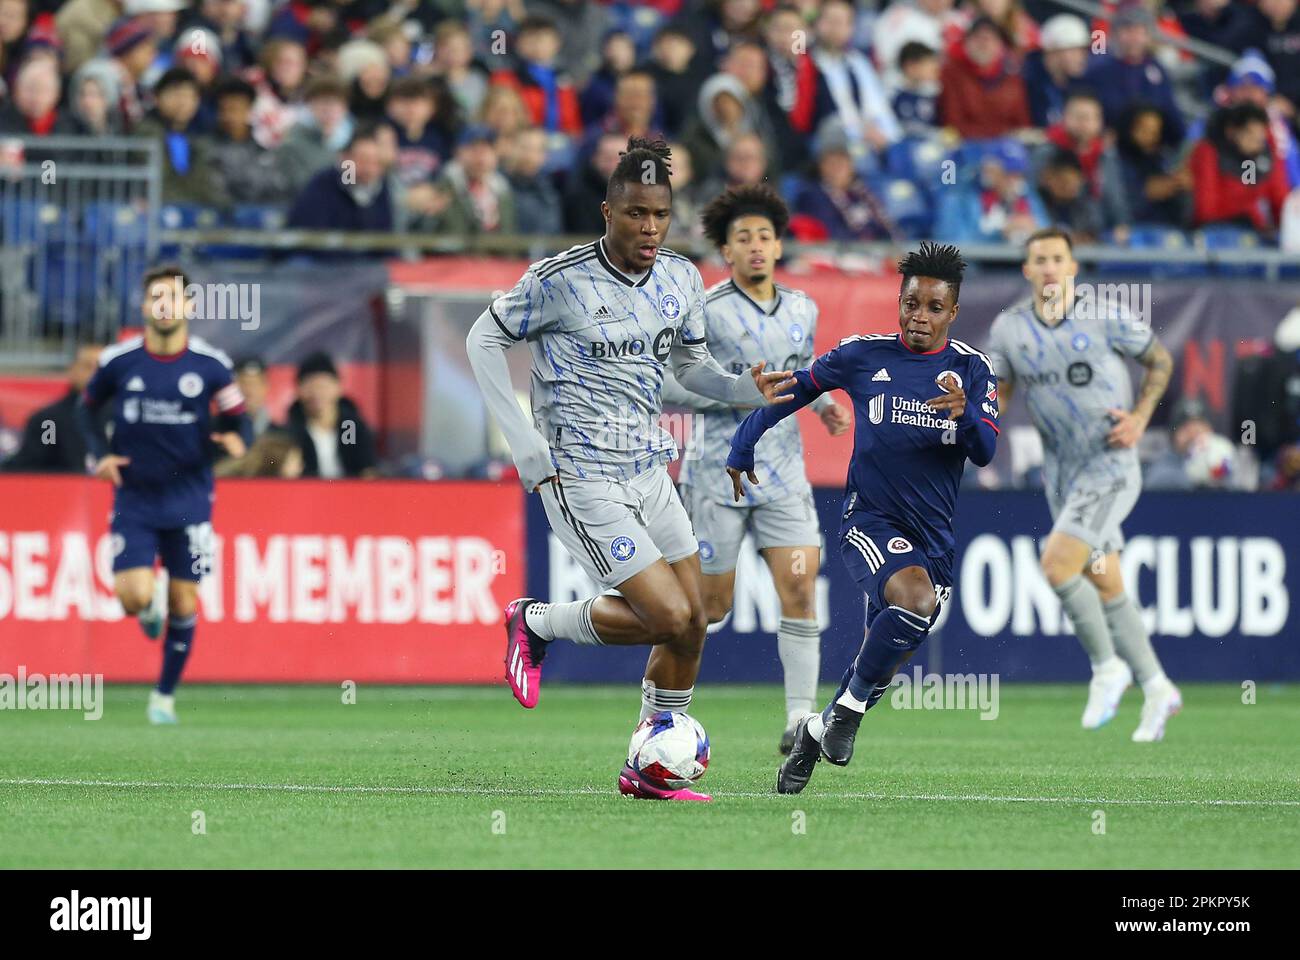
point(600, 341)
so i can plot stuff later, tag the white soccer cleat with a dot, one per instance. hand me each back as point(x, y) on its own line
point(1109, 681)
point(162, 708)
point(153, 618)
point(1159, 707)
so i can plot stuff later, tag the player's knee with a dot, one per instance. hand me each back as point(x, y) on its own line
point(183, 605)
point(1055, 569)
point(912, 590)
point(134, 597)
point(671, 620)
point(716, 608)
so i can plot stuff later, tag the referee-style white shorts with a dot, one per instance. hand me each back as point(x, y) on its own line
point(615, 529)
point(720, 527)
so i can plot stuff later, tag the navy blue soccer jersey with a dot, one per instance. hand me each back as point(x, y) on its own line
point(163, 412)
point(907, 458)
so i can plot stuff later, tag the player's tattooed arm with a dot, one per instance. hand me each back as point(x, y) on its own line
point(1128, 426)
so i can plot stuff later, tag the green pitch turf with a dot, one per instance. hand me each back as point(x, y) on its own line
point(462, 777)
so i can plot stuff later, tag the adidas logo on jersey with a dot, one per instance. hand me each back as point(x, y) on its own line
point(881, 375)
point(135, 384)
point(603, 315)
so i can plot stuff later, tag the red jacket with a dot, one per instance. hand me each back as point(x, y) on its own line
point(982, 102)
point(535, 100)
point(1220, 195)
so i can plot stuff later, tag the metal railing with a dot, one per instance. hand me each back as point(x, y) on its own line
point(79, 223)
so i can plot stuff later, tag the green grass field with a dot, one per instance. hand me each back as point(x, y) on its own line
point(462, 777)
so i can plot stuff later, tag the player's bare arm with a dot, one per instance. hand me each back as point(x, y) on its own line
point(1130, 425)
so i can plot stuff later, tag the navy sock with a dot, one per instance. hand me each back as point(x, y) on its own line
point(176, 650)
point(893, 635)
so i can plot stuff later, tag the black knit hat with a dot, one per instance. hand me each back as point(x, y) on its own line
point(318, 362)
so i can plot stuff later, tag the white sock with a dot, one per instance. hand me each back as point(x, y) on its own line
point(853, 703)
point(1155, 684)
point(798, 643)
point(563, 621)
point(815, 727)
point(655, 699)
point(1107, 665)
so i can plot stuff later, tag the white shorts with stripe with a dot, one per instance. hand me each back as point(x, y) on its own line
point(615, 529)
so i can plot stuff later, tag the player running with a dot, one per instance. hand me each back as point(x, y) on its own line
point(909, 450)
point(750, 318)
point(603, 321)
point(1080, 398)
point(163, 386)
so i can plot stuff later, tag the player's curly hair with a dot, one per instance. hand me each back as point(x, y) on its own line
point(754, 200)
point(644, 161)
point(938, 261)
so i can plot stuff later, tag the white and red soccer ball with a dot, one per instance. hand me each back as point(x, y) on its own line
point(669, 750)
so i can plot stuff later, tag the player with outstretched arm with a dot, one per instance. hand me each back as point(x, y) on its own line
point(603, 321)
point(1069, 364)
point(750, 317)
point(909, 450)
point(175, 404)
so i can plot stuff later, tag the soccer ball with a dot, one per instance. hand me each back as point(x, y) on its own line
point(669, 750)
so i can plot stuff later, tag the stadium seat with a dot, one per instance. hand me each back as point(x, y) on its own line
point(105, 223)
point(906, 206)
point(1156, 237)
point(1231, 238)
point(187, 216)
point(31, 221)
point(918, 160)
point(253, 217)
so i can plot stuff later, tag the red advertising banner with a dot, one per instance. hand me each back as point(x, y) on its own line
point(312, 581)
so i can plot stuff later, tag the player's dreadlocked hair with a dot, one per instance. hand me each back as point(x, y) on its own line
point(938, 261)
point(757, 200)
point(644, 161)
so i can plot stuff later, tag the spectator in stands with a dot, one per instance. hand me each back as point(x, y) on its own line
point(162, 17)
point(52, 442)
point(189, 176)
point(306, 22)
point(226, 18)
point(1020, 29)
point(14, 21)
point(1222, 23)
point(983, 94)
point(315, 142)
point(1059, 65)
point(489, 19)
point(1129, 71)
point(840, 201)
point(281, 83)
point(725, 113)
point(420, 110)
point(1156, 186)
point(933, 23)
point(327, 426)
point(453, 61)
point(676, 83)
point(1197, 457)
point(1276, 31)
point(687, 204)
point(131, 49)
point(83, 26)
point(585, 190)
point(33, 106)
point(999, 207)
point(747, 62)
point(481, 198)
point(745, 164)
point(548, 94)
point(1267, 394)
point(1237, 176)
point(618, 56)
point(249, 173)
point(787, 41)
point(352, 196)
point(583, 26)
point(503, 110)
point(254, 384)
point(1067, 203)
point(392, 39)
point(633, 111)
point(849, 95)
point(363, 66)
point(198, 50)
point(275, 453)
point(1251, 80)
point(1082, 133)
point(94, 98)
point(538, 210)
point(722, 22)
point(916, 98)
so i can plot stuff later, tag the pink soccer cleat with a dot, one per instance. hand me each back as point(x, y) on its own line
point(525, 651)
point(631, 784)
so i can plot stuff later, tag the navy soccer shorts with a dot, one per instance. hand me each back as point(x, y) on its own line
point(185, 552)
point(874, 550)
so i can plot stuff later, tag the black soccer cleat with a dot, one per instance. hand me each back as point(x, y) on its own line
point(798, 767)
point(787, 742)
point(837, 738)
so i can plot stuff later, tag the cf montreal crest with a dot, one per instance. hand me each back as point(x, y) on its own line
point(670, 306)
point(622, 549)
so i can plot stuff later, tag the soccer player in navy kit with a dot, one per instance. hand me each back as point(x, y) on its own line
point(909, 450)
point(174, 403)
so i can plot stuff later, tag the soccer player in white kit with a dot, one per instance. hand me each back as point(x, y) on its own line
point(1069, 363)
point(603, 322)
point(750, 318)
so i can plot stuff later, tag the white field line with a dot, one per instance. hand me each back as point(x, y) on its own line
point(595, 792)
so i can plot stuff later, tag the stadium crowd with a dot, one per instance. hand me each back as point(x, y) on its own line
point(964, 120)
